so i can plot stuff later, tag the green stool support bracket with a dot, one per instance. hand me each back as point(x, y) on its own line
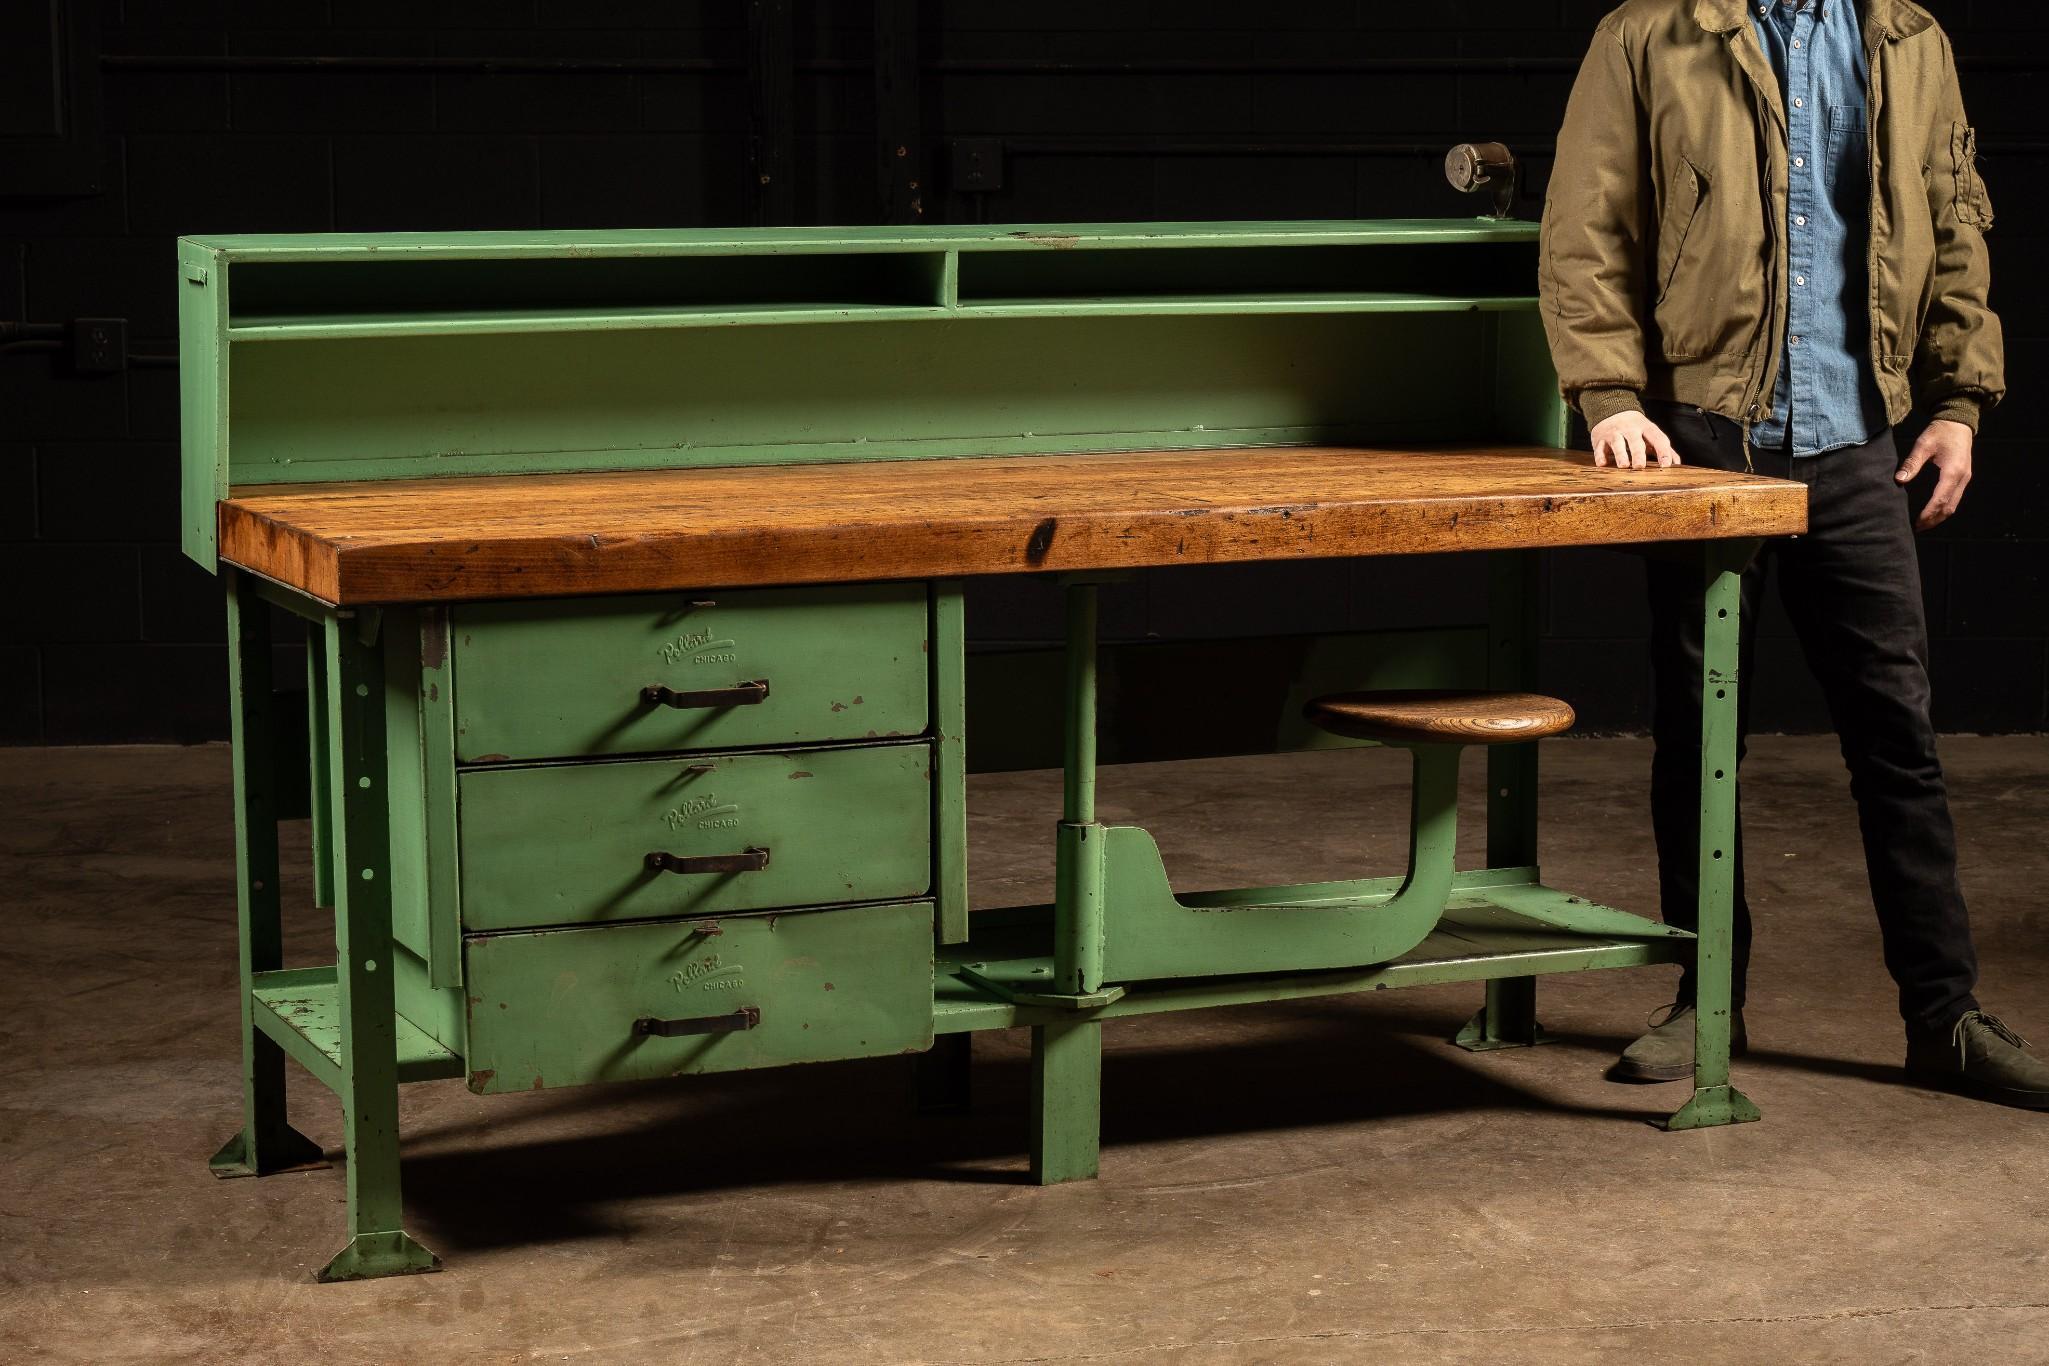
point(1508, 1020)
point(1155, 935)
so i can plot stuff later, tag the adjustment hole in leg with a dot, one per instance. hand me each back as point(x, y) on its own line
point(1721, 693)
point(362, 690)
point(1720, 775)
point(362, 782)
point(1723, 614)
point(1718, 853)
point(369, 874)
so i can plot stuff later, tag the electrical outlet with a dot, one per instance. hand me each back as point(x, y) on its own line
point(99, 346)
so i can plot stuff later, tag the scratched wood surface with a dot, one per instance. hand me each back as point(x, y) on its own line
point(445, 540)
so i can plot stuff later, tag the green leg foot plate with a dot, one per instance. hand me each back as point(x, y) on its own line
point(291, 1151)
point(1475, 1039)
point(370, 1255)
point(1711, 1107)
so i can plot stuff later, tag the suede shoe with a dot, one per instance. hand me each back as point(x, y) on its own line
point(1666, 1053)
point(1982, 1057)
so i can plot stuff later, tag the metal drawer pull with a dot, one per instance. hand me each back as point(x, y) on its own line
point(751, 861)
point(740, 695)
point(746, 1017)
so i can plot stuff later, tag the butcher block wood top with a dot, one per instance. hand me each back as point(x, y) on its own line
point(445, 540)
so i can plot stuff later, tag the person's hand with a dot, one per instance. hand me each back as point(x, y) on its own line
point(1632, 441)
point(1947, 446)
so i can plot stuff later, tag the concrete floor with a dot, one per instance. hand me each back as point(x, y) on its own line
point(1322, 1181)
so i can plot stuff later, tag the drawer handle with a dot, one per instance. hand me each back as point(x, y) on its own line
point(751, 861)
point(746, 1017)
point(740, 695)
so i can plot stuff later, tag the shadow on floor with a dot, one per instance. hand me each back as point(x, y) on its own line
point(855, 1122)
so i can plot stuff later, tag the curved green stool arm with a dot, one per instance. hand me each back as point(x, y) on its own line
point(1151, 934)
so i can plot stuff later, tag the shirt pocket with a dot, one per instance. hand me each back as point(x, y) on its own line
point(1848, 165)
point(1973, 201)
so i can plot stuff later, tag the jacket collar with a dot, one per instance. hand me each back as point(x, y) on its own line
point(1893, 18)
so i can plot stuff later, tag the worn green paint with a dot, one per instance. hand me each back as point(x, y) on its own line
point(1079, 873)
point(564, 844)
point(301, 1009)
point(563, 677)
point(1153, 934)
point(1067, 1100)
point(442, 881)
point(949, 761)
point(1499, 922)
point(557, 1007)
point(1715, 1101)
point(364, 971)
point(265, 1142)
point(318, 748)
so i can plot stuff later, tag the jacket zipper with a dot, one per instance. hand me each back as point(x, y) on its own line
point(1754, 397)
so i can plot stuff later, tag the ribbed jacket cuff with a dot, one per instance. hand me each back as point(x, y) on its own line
point(1962, 408)
point(1598, 405)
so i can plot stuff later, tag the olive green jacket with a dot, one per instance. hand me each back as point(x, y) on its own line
point(1664, 254)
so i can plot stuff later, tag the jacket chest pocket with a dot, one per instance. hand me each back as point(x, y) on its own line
point(1682, 211)
point(1973, 201)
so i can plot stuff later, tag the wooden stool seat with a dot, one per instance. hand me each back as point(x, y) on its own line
point(1441, 717)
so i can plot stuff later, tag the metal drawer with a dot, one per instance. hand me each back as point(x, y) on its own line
point(565, 844)
point(564, 1007)
point(573, 677)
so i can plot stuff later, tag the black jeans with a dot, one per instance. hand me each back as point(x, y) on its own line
point(1852, 587)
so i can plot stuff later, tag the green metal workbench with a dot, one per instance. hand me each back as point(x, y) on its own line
point(614, 806)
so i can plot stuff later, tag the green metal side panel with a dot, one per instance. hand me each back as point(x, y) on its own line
point(565, 844)
point(450, 405)
point(410, 862)
point(564, 678)
point(559, 1008)
point(202, 398)
point(949, 762)
point(1527, 405)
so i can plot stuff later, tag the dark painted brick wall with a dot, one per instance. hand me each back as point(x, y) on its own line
point(107, 634)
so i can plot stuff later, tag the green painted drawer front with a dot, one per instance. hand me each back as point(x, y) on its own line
point(563, 678)
point(566, 844)
point(559, 1007)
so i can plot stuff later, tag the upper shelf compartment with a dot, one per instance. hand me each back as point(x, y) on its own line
point(1391, 278)
point(398, 297)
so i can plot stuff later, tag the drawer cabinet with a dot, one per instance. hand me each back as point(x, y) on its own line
point(647, 674)
point(563, 844)
point(563, 1007)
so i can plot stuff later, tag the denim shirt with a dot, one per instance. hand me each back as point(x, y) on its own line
point(1826, 396)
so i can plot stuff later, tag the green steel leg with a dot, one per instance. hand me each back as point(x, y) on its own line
point(1715, 1101)
point(1508, 1020)
point(1067, 1058)
point(364, 969)
point(265, 1143)
point(1067, 1100)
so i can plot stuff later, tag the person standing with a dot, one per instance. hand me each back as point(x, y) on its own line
point(1763, 247)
